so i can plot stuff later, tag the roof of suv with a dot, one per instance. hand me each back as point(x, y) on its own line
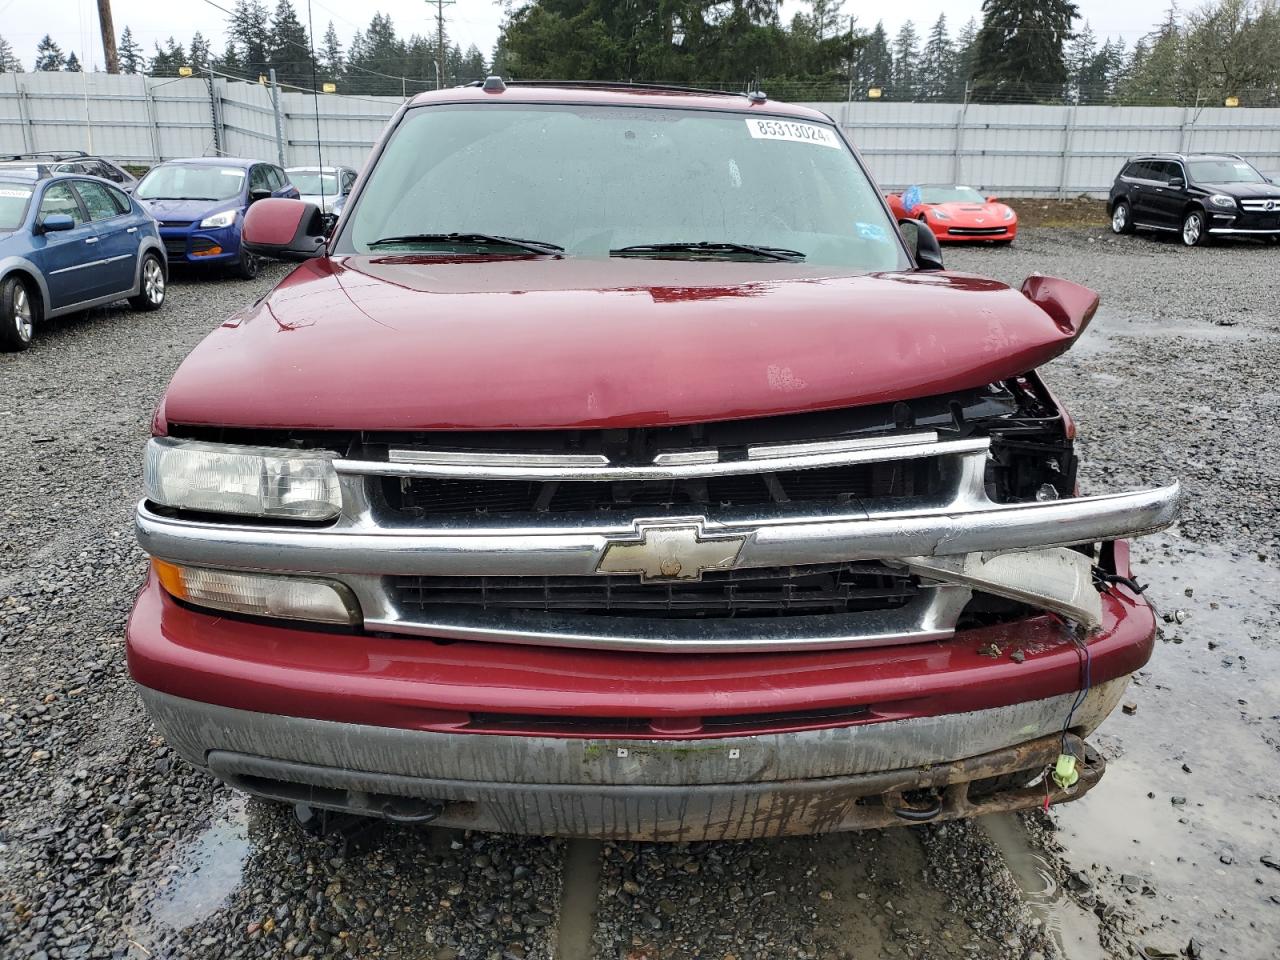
point(1188, 156)
point(628, 94)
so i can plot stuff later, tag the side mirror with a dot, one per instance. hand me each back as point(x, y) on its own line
point(56, 223)
point(1177, 183)
point(993, 199)
point(259, 194)
point(922, 244)
point(284, 229)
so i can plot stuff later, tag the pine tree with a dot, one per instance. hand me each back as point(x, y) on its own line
point(1080, 57)
point(8, 62)
point(937, 63)
point(331, 54)
point(199, 55)
point(473, 65)
point(230, 62)
point(966, 52)
point(73, 63)
point(130, 53)
point(906, 63)
point(289, 50)
point(1020, 50)
point(875, 61)
point(49, 55)
point(250, 30)
point(167, 60)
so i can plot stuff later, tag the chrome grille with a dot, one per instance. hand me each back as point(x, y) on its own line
point(771, 592)
point(1261, 205)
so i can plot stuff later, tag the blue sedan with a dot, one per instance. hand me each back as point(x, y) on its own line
point(68, 243)
point(200, 204)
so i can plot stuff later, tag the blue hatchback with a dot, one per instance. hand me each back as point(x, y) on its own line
point(200, 204)
point(69, 243)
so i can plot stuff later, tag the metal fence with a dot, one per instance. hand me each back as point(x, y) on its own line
point(1014, 150)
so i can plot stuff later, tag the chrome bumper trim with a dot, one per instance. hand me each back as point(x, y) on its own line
point(963, 526)
point(1270, 233)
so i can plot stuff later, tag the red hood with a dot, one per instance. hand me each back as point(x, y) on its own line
point(972, 214)
point(400, 343)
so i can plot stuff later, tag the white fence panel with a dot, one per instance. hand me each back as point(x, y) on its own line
point(1014, 150)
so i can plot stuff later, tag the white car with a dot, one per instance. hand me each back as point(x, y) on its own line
point(322, 185)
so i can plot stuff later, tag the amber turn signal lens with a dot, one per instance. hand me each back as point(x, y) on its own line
point(260, 595)
point(211, 252)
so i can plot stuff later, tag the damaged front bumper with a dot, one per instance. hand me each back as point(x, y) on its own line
point(852, 778)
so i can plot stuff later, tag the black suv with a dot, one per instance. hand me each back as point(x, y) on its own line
point(1197, 195)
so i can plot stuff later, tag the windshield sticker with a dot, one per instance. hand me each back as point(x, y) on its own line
point(761, 129)
point(871, 231)
point(15, 194)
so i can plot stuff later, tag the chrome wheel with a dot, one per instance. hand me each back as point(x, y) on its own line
point(23, 319)
point(153, 282)
point(1192, 229)
point(1119, 218)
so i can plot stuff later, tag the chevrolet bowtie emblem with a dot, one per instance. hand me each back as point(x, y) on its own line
point(671, 550)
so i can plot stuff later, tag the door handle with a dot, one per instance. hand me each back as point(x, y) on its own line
point(90, 239)
point(132, 230)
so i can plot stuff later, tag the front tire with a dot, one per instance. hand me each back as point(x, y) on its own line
point(247, 268)
point(18, 314)
point(152, 288)
point(1195, 232)
point(1121, 217)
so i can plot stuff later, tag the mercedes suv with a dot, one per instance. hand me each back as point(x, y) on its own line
point(1197, 196)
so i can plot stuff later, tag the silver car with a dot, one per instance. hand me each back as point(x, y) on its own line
point(322, 185)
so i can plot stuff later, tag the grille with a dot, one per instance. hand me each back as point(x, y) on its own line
point(1260, 205)
point(175, 248)
point(976, 231)
point(771, 592)
point(423, 497)
point(201, 244)
point(177, 224)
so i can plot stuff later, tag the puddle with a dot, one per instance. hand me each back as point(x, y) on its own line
point(581, 890)
point(1073, 929)
point(1191, 798)
point(206, 873)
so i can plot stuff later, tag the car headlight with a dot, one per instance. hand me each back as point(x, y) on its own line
point(259, 594)
point(224, 219)
point(935, 212)
point(1008, 213)
point(249, 481)
point(1222, 200)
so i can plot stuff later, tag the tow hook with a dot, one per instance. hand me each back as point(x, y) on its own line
point(914, 814)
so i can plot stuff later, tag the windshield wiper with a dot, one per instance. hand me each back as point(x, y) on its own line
point(474, 240)
point(771, 253)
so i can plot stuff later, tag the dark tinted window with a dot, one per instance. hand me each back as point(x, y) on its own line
point(276, 176)
point(1138, 170)
point(258, 179)
point(97, 200)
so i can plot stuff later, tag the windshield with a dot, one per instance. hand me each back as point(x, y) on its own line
point(188, 181)
point(1223, 171)
point(595, 179)
point(13, 204)
point(312, 183)
point(950, 195)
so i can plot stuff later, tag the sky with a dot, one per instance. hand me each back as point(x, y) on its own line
point(74, 23)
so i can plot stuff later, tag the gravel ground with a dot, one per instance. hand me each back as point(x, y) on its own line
point(110, 847)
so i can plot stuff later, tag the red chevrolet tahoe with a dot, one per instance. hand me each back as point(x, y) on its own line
point(617, 467)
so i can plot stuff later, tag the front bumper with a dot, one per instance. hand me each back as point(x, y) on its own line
point(190, 245)
point(984, 233)
point(851, 778)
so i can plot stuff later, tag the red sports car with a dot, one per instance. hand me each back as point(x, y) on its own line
point(956, 214)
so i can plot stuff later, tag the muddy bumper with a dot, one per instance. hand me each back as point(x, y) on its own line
point(848, 778)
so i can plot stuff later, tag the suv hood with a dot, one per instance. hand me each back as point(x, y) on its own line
point(1244, 191)
point(404, 343)
point(183, 210)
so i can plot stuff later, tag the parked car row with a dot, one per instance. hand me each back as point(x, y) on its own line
point(78, 231)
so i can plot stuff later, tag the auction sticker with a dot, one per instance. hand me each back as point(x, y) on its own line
point(762, 129)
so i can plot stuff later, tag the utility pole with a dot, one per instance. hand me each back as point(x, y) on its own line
point(440, 5)
point(108, 36)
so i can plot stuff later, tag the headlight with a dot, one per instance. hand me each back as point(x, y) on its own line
point(224, 219)
point(260, 595)
point(1008, 213)
point(1222, 200)
point(251, 481)
point(935, 212)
